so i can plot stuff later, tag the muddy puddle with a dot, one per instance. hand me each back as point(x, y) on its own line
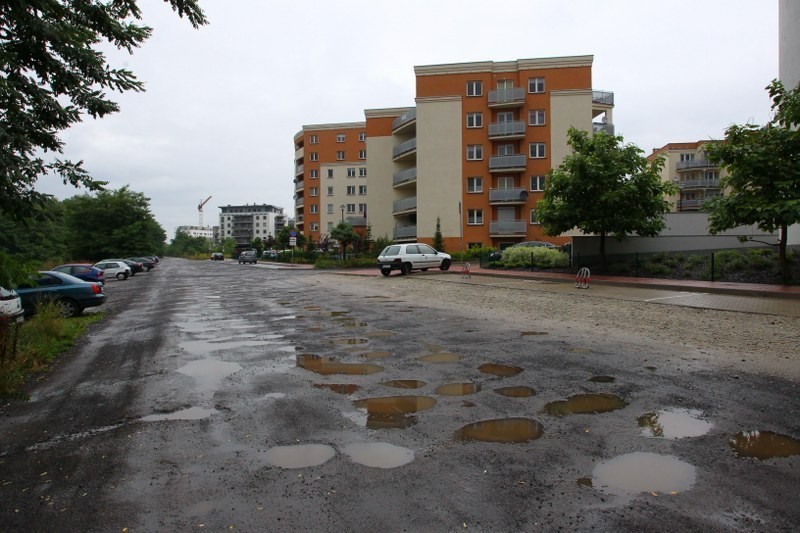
point(643, 472)
point(533, 333)
point(205, 347)
point(585, 404)
point(328, 366)
point(674, 424)
point(441, 357)
point(764, 445)
point(338, 388)
point(516, 392)
point(499, 370)
point(394, 411)
point(208, 373)
point(378, 454)
point(458, 389)
point(404, 383)
point(375, 355)
point(352, 341)
point(508, 430)
point(192, 413)
point(299, 456)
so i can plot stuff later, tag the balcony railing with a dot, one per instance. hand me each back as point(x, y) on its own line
point(404, 119)
point(695, 163)
point(508, 196)
point(299, 184)
point(690, 204)
point(605, 128)
point(406, 204)
point(506, 129)
point(404, 176)
point(404, 148)
point(405, 232)
point(699, 184)
point(299, 170)
point(507, 162)
point(299, 202)
point(508, 227)
point(507, 97)
point(357, 220)
point(603, 97)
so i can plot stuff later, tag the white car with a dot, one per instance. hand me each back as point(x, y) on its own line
point(412, 256)
point(116, 269)
point(10, 303)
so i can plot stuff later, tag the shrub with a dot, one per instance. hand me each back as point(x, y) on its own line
point(542, 257)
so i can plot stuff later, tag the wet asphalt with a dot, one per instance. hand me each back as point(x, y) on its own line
point(220, 397)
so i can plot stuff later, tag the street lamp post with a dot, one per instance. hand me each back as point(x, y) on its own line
point(342, 208)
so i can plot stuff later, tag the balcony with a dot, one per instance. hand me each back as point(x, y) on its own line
point(605, 98)
point(298, 185)
point(298, 171)
point(405, 149)
point(405, 121)
point(699, 184)
point(602, 126)
point(507, 130)
point(507, 228)
point(406, 205)
point(512, 97)
point(405, 233)
point(356, 221)
point(404, 177)
point(508, 196)
point(695, 164)
point(507, 163)
point(298, 219)
point(690, 205)
point(299, 152)
point(299, 202)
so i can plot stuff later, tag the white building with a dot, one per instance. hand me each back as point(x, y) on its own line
point(247, 222)
point(196, 231)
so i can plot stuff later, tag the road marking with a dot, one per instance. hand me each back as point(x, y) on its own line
point(676, 296)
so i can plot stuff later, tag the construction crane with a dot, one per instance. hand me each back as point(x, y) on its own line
point(200, 209)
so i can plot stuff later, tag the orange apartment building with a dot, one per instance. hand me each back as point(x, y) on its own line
point(474, 151)
point(697, 178)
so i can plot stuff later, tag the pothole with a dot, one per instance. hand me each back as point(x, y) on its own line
point(375, 355)
point(404, 383)
point(299, 456)
point(442, 357)
point(674, 424)
point(378, 454)
point(458, 389)
point(192, 413)
point(499, 370)
point(350, 341)
point(508, 430)
point(516, 392)
point(764, 445)
point(585, 404)
point(338, 388)
point(328, 366)
point(644, 472)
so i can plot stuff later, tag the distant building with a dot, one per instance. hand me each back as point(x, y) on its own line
point(247, 222)
point(687, 166)
point(196, 231)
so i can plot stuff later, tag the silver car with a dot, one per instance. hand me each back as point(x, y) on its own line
point(412, 256)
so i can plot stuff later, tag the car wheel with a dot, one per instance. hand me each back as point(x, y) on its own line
point(445, 265)
point(405, 269)
point(68, 308)
point(424, 269)
point(385, 272)
point(121, 275)
point(147, 269)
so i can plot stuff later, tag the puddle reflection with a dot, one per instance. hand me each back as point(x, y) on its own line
point(643, 472)
point(393, 411)
point(764, 445)
point(443, 357)
point(458, 389)
point(404, 383)
point(499, 370)
point(338, 388)
point(502, 430)
point(328, 365)
point(585, 404)
point(674, 424)
point(516, 392)
point(299, 456)
point(378, 454)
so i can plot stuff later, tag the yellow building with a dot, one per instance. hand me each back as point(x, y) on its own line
point(687, 166)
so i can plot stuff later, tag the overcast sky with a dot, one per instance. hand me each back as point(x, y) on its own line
point(224, 102)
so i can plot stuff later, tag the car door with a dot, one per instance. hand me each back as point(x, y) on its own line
point(428, 256)
point(413, 256)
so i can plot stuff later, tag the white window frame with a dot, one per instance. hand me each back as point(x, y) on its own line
point(362, 190)
point(314, 173)
point(341, 137)
point(362, 208)
point(536, 85)
point(474, 152)
point(533, 219)
point(536, 117)
point(314, 209)
point(330, 173)
point(351, 172)
point(313, 191)
point(330, 209)
point(475, 119)
point(351, 190)
point(362, 136)
point(474, 217)
point(351, 208)
point(313, 156)
point(474, 88)
point(313, 139)
point(537, 150)
point(362, 154)
point(340, 155)
point(314, 226)
point(538, 183)
point(330, 190)
point(475, 185)
point(362, 172)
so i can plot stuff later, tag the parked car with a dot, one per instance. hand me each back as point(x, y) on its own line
point(82, 271)
point(134, 266)
point(217, 256)
point(412, 256)
point(498, 255)
point(10, 303)
point(248, 256)
point(147, 263)
point(269, 254)
point(71, 294)
point(117, 269)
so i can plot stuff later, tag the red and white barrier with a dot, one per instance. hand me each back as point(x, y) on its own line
point(582, 279)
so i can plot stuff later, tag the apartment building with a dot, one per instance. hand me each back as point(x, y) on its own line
point(330, 181)
point(196, 231)
point(244, 223)
point(687, 166)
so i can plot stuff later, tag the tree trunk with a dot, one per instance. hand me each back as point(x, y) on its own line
point(603, 251)
point(786, 272)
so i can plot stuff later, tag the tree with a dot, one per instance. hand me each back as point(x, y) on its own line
point(184, 245)
point(39, 237)
point(258, 245)
point(438, 241)
point(605, 188)
point(285, 234)
point(344, 233)
point(112, 224)
point(763, 164)
point(54, 74)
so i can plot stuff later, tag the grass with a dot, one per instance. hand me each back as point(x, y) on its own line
point(42, 338)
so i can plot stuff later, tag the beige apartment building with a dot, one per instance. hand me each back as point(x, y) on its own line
point(687, 166)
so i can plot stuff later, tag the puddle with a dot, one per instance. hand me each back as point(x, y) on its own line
point(404, 383)
point(376, 334)
point(516, 392)
point(602, 379)
point(350, 341)
point(378, 454)
point(339, 313)
point(502, 430)
point(585, 482)
point(396, 404)
point(209, 372)
point(458, 389)
point(764, 445)
point(674, 424)
point(299, 456)
point(338, 388)
point(375, 355)
point(432, 347)
point(643, 472)
point(442, 357)
point(529, 333)
point(205, 347)
point(585, 404)
point(192, 413)
point(499, 370)
point(327, 366)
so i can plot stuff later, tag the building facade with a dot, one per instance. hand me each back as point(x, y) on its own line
point(244, 223)
point(196, 231)
point(687, 166)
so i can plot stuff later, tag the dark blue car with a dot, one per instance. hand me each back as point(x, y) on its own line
point(71, 294)
point(86, 272)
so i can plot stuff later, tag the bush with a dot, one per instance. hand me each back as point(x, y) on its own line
point(542, 257)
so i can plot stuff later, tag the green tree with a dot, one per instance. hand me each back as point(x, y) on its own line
point(228, 246)
point(112, 224)
point(344, 233)
point(605, 188)
point(285, 234)
point(438, 241)
point(54, 74)
point(39, 237)
point(184, 245)
point(763, 164)
point(258, 245)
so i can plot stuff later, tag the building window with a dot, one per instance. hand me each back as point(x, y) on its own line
point(330, 209)
point(314, 226)
point(362, 154)
point(536, 117)
point(362, 136)
point(330, 172)
point(362, 208)
point(474, 88)
point(534, 220)
point(475, 185)
point(314, 174)
point(330, 226)
point(351, 172)
point(351, 190)
point(535, 85)
point(362, 190)
point(340, 155)
point(687, 157)
point(313, 139)
point(351, 208)
point(537, 151)
point(330, 191)
point(474, 152)
point(314, 209)
point(314, 191)
point(362, 172)
point(538, 182)
point(314, 156)
point(474, 216)
point(474, 120)
point(711, 175)
point(340, 137)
